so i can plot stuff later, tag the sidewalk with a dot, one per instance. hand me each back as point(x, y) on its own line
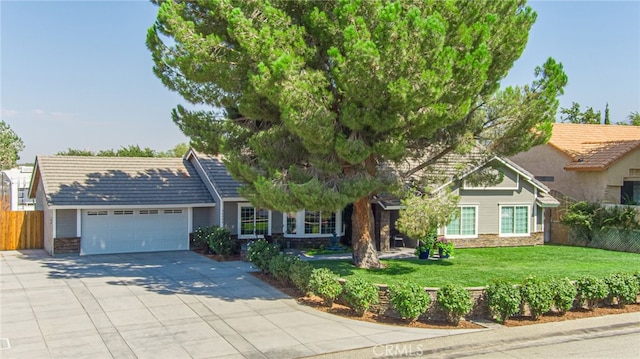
point(401, 252)
point(502, 338)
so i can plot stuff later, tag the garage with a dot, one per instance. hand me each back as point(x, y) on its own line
point(134, 230)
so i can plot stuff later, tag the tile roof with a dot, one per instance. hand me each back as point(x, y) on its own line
point(126, 181)
point(594, 147)
point(217, 173)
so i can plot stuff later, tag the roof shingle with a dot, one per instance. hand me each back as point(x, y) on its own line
point(95, 181)
point(594, 147)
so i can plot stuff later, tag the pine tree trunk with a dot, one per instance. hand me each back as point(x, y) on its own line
point(364, 251)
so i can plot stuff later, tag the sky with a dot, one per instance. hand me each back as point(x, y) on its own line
point(77, 74)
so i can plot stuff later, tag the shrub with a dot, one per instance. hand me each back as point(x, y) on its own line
point(280, 266)
point(537, 294)
point(455, 301)
point(220, 241)
point(360, 294)
point(260, 253)
point(409, 299)
point(503, 299)
point(200, 236)
point(591, 290)
point(623, 287)
point(324, 283)
point(300, 273)
point(564, 293)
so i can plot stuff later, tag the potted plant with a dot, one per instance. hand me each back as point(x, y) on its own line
point(445, 248)
point(425, 244)
point(422, 250)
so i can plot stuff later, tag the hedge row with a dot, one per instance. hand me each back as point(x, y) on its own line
point(410, 301)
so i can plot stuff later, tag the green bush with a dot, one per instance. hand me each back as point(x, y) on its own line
point(409, 299)
point(201, 235)
point(261, 252)
point(300, 273)
point(360, 294)
point(564, 293)
point(537, 294)
point(591, 290)
point(455, 301)
point(280, 266)
point(503, 299)
point(623, 287)
point(220, 241)
point(324, 283)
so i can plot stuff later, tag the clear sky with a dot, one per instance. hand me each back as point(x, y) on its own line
point(78, 74)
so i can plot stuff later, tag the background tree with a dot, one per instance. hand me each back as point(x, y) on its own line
point(130, 151)
point(10, 146)
point(607, 120)
point(574, 115)
point(634, 118)
point(323, 100)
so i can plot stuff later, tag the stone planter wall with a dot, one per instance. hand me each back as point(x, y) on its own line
point(433, 314)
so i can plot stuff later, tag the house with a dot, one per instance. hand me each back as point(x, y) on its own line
point(247, 222)
point(99, 205)
point(14, 189)
point(595, 163)
point(511, 212)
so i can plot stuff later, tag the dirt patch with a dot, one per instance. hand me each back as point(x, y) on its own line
point(344, 311)
point(218, 257)
point(570, 315)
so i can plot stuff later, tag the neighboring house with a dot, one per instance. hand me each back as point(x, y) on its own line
point(509, 213)
point(595, 163)
point(99, 205)
point(14, 189)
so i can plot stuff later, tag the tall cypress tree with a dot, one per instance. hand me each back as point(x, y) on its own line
point(320, 96)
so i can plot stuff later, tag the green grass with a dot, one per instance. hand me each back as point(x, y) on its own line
point(478, 266)
point(324, 250)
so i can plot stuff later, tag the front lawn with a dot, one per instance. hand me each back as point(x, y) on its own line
point(476, 267)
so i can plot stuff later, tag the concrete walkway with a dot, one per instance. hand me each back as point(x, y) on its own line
point(164, 305)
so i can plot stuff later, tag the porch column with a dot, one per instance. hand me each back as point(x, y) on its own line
point(385, 230)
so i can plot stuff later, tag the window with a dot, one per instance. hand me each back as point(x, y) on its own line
point(253, 221)
point(96, 213)
point(317, 223)
point(514, 220)
point(148, 211)
point(172, 211)
point(123, 213)
point(291, 223)
point(464, 222)
point(545, 178)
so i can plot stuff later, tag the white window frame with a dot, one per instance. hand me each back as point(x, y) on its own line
point(299, 229)
point(250, 236)
point(475, 235)
point(514, 205)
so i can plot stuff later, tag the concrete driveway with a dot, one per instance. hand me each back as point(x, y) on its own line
point(164, 305)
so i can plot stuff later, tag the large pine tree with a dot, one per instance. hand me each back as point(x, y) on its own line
point(309, 98)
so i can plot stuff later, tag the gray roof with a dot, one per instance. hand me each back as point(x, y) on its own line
point(217, 173)
point(112, 181)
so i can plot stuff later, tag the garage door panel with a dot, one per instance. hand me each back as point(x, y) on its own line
point(125, 231)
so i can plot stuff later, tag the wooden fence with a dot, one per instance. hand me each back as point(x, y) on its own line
point(21, 230)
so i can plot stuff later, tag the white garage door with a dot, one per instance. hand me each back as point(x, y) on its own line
point(134, 230)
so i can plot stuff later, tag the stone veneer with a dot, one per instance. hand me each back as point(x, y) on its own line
point(66, 245)
point(494, 240)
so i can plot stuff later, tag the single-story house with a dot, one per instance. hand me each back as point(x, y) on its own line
point(510, 212)
point(100, 205)
point(14, 189)
point(595, 163)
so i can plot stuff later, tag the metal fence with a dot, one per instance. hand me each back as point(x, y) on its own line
point(623, 240)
